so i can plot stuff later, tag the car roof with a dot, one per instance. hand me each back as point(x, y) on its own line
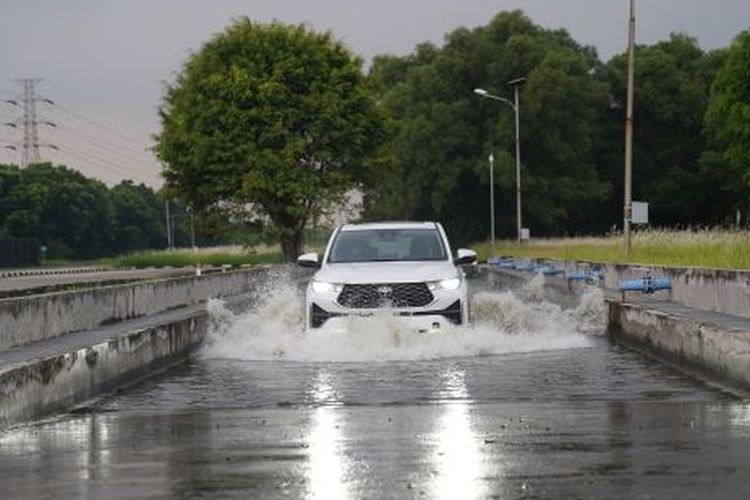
point(388, 225)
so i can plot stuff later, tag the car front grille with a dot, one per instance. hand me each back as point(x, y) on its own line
point(373, 296)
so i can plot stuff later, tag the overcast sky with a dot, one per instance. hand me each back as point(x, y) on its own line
point(104, 61)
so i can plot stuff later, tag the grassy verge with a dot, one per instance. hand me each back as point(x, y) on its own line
point(204, 257)
point(704, 248)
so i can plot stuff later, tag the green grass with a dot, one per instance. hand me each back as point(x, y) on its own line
point(205, 257)
point(702, 248)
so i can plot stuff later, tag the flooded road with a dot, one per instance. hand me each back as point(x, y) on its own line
point(531, 402)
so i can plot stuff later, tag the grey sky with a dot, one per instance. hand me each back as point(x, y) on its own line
point(106, 60)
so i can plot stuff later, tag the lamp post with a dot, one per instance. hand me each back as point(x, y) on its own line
point(628, 207)
point(492, 200)
point(517, 108)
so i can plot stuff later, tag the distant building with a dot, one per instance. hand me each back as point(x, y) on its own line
point(349, 210)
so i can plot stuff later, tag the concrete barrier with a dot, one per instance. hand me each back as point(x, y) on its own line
point(34, 318)
point(36, 387)
point(714, 352)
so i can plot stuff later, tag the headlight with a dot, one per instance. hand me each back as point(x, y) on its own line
point(449, 284)
point(325, 287)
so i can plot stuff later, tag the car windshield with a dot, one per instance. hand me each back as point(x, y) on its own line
point(387, 245)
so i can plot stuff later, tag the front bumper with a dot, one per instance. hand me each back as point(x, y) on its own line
point(421, 319)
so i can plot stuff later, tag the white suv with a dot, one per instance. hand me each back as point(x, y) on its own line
point(405, 268)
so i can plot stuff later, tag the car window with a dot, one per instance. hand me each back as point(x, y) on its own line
point(387, 245)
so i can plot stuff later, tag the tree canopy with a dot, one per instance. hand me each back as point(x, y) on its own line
point(271, 118)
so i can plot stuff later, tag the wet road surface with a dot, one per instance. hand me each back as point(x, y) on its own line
point(596, 422)
point(581, 418)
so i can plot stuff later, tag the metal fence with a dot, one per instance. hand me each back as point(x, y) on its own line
point(16, 252)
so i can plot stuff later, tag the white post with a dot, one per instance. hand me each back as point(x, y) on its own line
point(492, 200)
point(169, 225)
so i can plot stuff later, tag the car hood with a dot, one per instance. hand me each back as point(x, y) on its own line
point(386, 272)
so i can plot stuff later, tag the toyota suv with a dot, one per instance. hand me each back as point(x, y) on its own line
point(405, 269)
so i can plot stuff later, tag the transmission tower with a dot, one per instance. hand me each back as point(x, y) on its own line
point(30, 144)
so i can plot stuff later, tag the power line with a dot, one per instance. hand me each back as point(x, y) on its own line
point(102, 146)
point(99, 125)
point(104, 163)
point(111, 155)
point(102, 153)
point(88, 136)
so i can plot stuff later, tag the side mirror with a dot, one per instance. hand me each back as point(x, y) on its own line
point(465, 257)
point(308, 260)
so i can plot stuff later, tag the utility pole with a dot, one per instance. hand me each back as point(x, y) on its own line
point(628, 207)
point(30, 144)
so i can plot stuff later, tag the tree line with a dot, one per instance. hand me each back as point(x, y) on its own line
point(691, 151)
point(78, 217)
point(75, 216)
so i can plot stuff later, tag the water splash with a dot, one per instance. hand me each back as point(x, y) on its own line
point(534, 288)
point(592, 310)
point(501, 323)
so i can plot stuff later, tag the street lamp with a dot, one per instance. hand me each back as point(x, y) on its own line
point(517, 108)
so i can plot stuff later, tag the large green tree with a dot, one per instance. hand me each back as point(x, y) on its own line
point(272, 118)
point(728, 126)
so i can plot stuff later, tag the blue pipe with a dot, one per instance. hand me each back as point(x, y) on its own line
point(548, 270)
point(647, 284)
point(590, 277)
point(500, 261)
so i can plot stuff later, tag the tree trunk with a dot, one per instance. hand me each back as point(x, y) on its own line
point(292, 246)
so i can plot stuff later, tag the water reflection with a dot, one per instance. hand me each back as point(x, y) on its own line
point(457, 459)
point(328, 466)
point(35, 450)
